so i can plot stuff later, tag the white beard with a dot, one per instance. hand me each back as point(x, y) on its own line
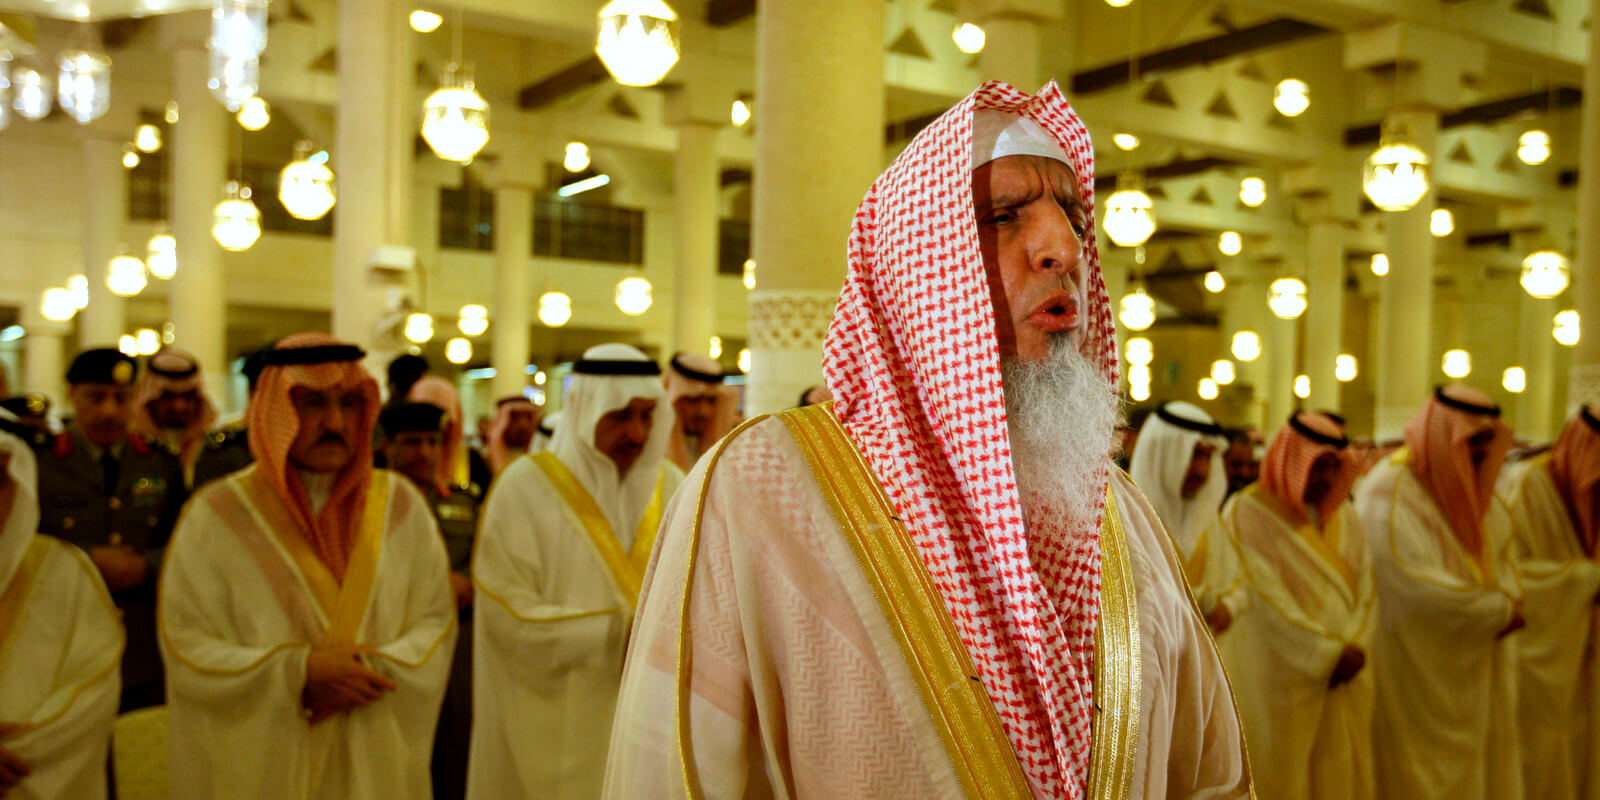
point(1062, 418)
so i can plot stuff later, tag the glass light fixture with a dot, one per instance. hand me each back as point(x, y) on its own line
point(130, 156)
point(1230, 243)
point(236, 222)
point(1246, 346)
point(418, 327)
point(749, 273)
point(1533, 147)
point(1130, 215)
point(1441, 222)
point(161, 255)
point(1291, 97)
point(1344, 368)
point(714, 347)
point(1139, 375)
point(147, 341)
point(78, 285)
point(125, 275)
point(30, 92)
point(128, 345)
point(576, 158)
point(1395, 176)
point(1137, 310)
point(1545, 273)
point(1252, 191)
point(969, 38)
point(633, 296)
point(638, 41)
point(744, 360)
point(1119, 3)
point(147, 138)
point(1207, 389)
point(539, 378)
point(1288, 298)
point(424, 21)
point(1566, 329)
point(1139, 351)
point(1456, 363)
point(1222, 372)
point(306, 187)
point(84, 84)
point(56, 304)
point(233, 80)
point(455, 118)
point(254, 114)
point(739, 113)
point(1125, 141)
point(1514, 379)
point(1139, 392)
point(238, 27)
point(473, 319)
point(555, 308)
point(1302, 386)
point(458, 350)
point(171, 113)
point(1380, 264)
point(1215, 282)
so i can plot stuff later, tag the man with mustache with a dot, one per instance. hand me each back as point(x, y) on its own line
point(565, 539)
point(172, 408)
point(516, 420)
point(305, 612)
point(936, 586)
point(117, 496)
point(702, 410)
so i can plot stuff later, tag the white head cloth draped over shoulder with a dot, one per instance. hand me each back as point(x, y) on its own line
point(21, 522)
point(590, 397)
point(1161, 460)
point(913, 361)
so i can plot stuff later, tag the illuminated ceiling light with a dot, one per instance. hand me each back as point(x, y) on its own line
point(1252, 191)
point(749, 273)
point(1533, 147)
point(969, 38)
point(130, 156)
point(1125, 141)
point(1456, 363)
point(1207, 389)
point(56, 304)
point(1302, 386)
point(458, 350)
point(78, 285)
point(1344, 368)
point(576, 158)
point(419, 327)
point(714, 347)
point(539, 378)
point(1566, 329)
point(638, 41)
point(147, 138)
point(1380, 264)
point(84, 85)
point(171, 114)
point(1215, 282)
point(125, 275)
point(12, 333)
point(739, 113)
point(1137, 310)
point(306, 186)
point(1230, 243)
point(1288, 298)
point(1139, 375)
point(579, 187)
point(455, 118)
point(238, 28)
point(254, 114)
point(473, 319)
point(128, 345)
point(233, 80)
point(147, 341)
point(1130, 215)
point(744, 360)
point(1441, 222)
point(31, 92)
point(424, 21)
point(1139, 351)
point(161, 256)
point(555, 308)
point(236, 222)
point(1291, 97)
point(1514, 379)
point(1395, 176)
point(1222, 372)
point(1119, 3)
point(1545, 274)
point(1246, 346)
point(633, 296)
point(1139, 392)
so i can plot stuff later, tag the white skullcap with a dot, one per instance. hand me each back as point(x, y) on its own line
point(997, 134)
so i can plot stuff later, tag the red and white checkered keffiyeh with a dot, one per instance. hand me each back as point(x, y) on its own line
point(1286, 469)
point(1575, 468)
point(913, 361)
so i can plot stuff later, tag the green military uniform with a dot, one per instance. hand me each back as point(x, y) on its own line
point(24, 419)
point(457, 515)
point(225, 451)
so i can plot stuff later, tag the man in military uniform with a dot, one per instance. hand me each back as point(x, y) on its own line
point(117, 497)
point(27, 416)
point(413, 442)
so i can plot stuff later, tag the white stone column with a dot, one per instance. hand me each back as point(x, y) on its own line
point(1585, 372)
point(105, 209)
point(509, 308)
point(197, 158)
point(819, 145)
point(1245, 308)
point(1405, 368)
point(1279, 346)
point(1536, 354)
point(43, 366)
point(1324, 311)
point(1011, 53)
point(696, 179)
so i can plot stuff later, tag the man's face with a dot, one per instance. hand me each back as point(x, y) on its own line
point(175, 409)
point(415, 454)
point(330, 421)
point(1240, 462)
point(101, 410)
point(1199, 470)
point(1478, 446)
point(521, 422)
point(1324, 471)
point(1030, 227)
point(621, 434)
point(696, 410)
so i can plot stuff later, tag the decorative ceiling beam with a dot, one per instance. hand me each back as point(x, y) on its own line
point(1271, 33)
point(584, 73)
point(722, 13)
point(1483, 113)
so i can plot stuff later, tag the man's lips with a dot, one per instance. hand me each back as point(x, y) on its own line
point(1057, 313)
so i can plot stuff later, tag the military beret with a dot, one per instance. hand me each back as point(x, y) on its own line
point(101, 365)
point(411, 417)
point(27, 405)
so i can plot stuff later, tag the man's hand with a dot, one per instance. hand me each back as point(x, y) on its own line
point(463, 587)
point(12, 768)
point(1219, 618)
point(1517, 623)
point(337, 681)
point(122, 567)
point(1351, 660)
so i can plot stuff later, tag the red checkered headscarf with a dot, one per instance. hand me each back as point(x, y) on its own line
point(273, 425)
point(1575, 468)
point(1286, 468)
point(913, 361)
point(1437, 438)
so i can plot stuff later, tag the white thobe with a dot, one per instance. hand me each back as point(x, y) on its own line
point(799, 689)
point(549, 633)
point(237, 620)
point(1445, 716)
point(59, 677)
point(1310, 598)
point(1559, 680)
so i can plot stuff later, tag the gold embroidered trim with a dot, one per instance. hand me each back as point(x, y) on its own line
point(627, 570)
point(1118, 664)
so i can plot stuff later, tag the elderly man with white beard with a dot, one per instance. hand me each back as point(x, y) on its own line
point(937, 586)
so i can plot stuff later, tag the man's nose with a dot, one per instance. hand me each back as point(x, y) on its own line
point(1056, 247)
